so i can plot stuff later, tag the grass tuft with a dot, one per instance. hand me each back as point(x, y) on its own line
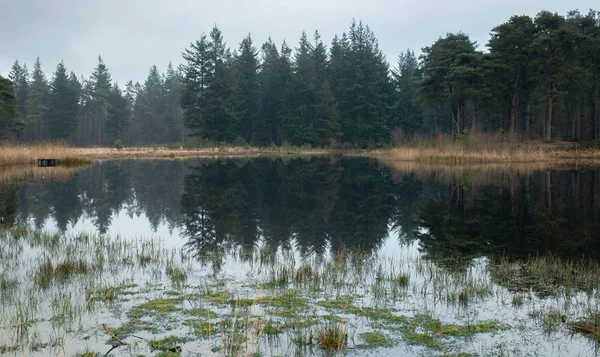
point(332, 337)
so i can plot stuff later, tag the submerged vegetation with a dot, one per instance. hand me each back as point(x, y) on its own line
point(342, 302)
point(440, 263)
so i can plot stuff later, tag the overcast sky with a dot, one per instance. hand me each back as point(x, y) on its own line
point(132, 35)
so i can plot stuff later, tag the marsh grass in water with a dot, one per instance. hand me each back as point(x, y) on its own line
point(374, 339)
point(340, 302)
point(332, 337)
point(587, 325)
point(547, 275)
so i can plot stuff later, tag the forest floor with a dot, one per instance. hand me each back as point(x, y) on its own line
point(440, 152)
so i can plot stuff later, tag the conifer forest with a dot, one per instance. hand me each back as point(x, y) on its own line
point(534, 78)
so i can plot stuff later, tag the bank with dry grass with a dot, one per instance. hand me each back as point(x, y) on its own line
point(491, 149)
point(28, 154)
point(477, 149)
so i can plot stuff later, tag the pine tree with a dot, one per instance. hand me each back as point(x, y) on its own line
point(173, 113)
point(101, 82)
point(197, 72)
point(271, 82)
point(11, 125)
point(367, 92)
point(149, 111)
point(547, 63)
point(285, 117)
point(117, 114)
point(406, 114)
point(63, 105)
point(298, 126)
point(440, 84)
point(327, 118)
point(510, 55)
point(36, 105)
point(319, 59)
point(247, 66)
point(130, 97)
point(19, 75)
point(220, 116)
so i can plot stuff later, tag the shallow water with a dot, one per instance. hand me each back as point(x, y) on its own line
point(215, 219)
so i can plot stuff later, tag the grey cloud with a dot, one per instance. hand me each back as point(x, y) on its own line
point(133, 35)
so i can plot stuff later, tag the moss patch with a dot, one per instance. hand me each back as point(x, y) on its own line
point(290, 299)
point(156, 307)
point(201, 312)
point(374, 339)
point(167, 343)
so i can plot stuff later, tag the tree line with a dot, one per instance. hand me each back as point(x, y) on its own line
point(96, 110)
point(540, 77)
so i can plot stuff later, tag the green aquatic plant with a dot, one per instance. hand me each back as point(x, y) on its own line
point(374, 339)
point(332, 337)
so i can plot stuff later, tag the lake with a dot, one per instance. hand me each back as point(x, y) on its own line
point(299, 256)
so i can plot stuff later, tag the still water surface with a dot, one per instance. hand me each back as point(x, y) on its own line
point(455, 220)
point(319, 203)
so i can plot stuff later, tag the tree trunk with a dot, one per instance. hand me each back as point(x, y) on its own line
point(552, 88)
point(592, 112)
point(549, 122)
point(548, 189)
point(474, 118)
point(574, 122)
point(515, 113)
point(435, 122)
point(454, 121)
point(579, 124)
point(460, 125)
point(528, 120)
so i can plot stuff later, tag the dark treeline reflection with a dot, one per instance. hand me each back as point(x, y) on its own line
point(320, 203)
point(315, 203)
point(550, 212)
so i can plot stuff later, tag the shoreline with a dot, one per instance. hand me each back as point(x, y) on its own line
point(552, 154)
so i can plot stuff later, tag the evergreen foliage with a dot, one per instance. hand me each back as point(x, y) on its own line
point(540, 78)
point(63, 104)
point(11, 124)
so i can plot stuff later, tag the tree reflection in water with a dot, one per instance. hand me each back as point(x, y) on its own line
point(321, 203)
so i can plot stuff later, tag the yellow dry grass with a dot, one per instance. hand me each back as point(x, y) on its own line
point(21, 154)
point(485, 149)
point(164, 152)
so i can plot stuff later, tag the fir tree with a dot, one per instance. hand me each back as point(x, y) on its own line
point(36, 105)
point(63, 105)
point(11, 125)
point(101, 83)
point(327, 118)
point(19, 75)
point(117, 114)
point(247, 66)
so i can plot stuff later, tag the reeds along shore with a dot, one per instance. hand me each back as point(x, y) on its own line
point(473, 149)
point(26, 154)
point(490, 148)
